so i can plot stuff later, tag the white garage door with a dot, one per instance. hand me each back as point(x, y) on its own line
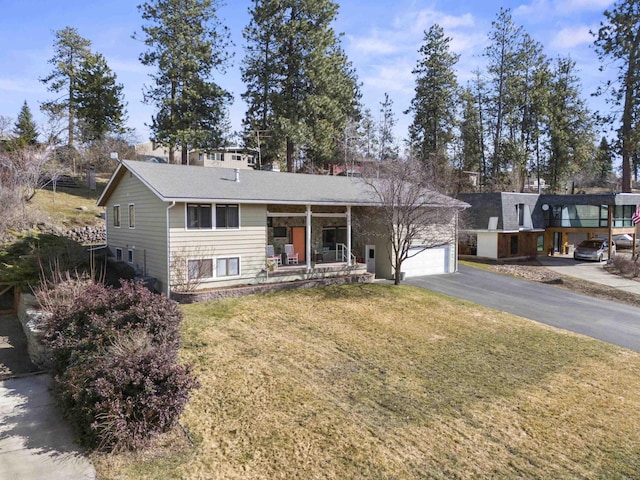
point(428, 262)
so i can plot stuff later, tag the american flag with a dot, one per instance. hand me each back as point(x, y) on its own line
point(636, 216)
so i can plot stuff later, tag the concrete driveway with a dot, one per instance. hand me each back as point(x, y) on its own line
point(602, 319)
point(35, 442)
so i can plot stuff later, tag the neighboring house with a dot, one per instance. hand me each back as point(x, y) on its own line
point(152, 152)
point(507, 225)
point(227, 157)
point(212, 226)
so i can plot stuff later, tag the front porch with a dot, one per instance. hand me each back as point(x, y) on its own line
point(306, 239)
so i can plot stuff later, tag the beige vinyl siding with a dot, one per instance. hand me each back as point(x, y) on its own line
point(247, 242)
point(147, 238)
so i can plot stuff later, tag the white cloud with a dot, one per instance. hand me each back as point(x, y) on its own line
point(572, 6)
point(391, 78)
point(543, 10)
point(372, 45)
point(571, 37)
point(20, 86)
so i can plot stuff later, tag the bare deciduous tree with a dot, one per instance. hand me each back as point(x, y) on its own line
point(186, 277)
point(412, 216)
point(20, 174)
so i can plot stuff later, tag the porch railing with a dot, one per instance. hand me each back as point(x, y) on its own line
point(343, 254)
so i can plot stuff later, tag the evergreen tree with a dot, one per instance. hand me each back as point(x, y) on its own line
point(478, 92)
point(618, 39)
point(70, 50)
point(570, 129)
point(388, 150)
point(25, 131)
point(368, 128)
point(502, 55)
point(434, 103)
point(100, 104)
point(187, 44)
point(260, 74)
point(470, 134)
point(532, 90)
point(603, 162)
point(301, 88)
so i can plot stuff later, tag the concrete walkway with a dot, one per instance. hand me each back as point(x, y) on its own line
point(590, 271)
point(35, 442)
point(14, 360)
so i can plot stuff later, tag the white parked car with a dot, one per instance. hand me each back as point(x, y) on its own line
point(625, 240)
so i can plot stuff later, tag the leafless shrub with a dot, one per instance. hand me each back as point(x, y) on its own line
point(182, 280)
point(411, 212)
point(58, 289)
point(627, 266)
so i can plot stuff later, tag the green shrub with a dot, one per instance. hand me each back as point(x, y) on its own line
point(117, 376)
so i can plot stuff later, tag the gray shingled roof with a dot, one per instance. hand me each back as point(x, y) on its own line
point(192, 183)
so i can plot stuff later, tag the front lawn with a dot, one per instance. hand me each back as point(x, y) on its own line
point(383, 382)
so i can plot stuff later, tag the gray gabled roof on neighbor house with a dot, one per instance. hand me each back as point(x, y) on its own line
point(183, 183)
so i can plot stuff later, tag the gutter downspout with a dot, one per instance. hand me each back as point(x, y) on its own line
point(173, 204)
point(349, 236)
point(455, 244)
point(308, 245)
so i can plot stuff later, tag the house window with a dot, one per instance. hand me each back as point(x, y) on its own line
point(251, 160)
point(132, 215)
point(236, 157)
point(227, 216)
point(520, 214)
point(513, 245)
point(604, 215)
point(116, 215)
point(228, 267)
point(332, 236)
point(216, 157)
point(540, 243)
point(622, 215)
point(201, 268)
point(130, 256)
point(118, 254)
point(198, 216)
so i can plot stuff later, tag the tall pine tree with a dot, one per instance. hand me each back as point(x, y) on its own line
point(300, 85)
point(70, 51)
point(187, 44)
point(570, 128)
point(434, 103)
point(502, 55)
point(100, 102)
point(618, 39)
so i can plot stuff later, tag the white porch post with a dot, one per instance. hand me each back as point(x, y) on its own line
point(348, 235)
point(308, 242)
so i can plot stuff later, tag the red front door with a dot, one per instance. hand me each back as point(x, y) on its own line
point(297, 238)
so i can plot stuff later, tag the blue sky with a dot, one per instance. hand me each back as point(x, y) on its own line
point(381, 39)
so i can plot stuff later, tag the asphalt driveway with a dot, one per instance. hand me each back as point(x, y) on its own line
point(602, 319)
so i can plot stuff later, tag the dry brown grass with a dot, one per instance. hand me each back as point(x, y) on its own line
point(371, 381)
point(69, 207)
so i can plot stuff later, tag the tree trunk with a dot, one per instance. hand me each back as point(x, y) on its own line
point(184, 155)
point(628, 147)
point(289, 155)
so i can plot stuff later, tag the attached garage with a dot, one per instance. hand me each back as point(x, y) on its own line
point(431, 261)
